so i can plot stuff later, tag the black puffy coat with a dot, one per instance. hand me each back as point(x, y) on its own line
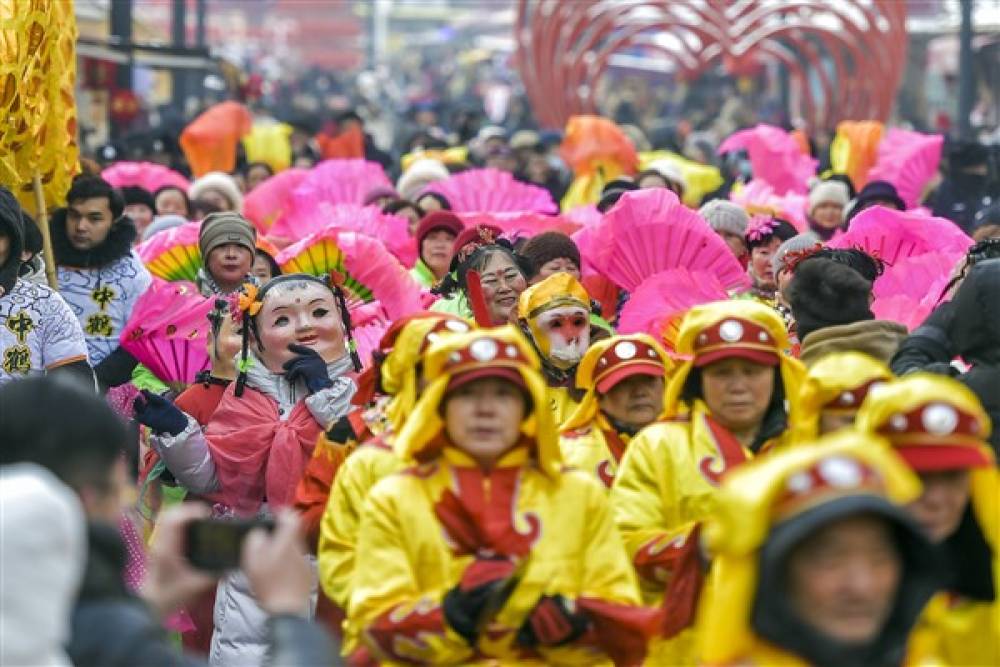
point(975, 336)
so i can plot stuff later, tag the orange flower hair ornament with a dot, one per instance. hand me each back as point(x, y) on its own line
point(248, 304)
point(248, 300)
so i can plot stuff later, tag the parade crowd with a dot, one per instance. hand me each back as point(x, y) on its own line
point(525, 399)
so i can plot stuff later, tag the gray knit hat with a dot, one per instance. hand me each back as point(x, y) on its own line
point(225, 227)
point(725, 216)
point(794, 244)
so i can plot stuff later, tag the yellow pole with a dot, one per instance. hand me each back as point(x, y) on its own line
point(42, 220)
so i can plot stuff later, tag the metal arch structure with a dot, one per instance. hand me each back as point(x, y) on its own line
point(845, 58)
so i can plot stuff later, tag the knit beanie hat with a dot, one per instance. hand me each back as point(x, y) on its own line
point(438, 220)
point(224, 183)
point(795, 244)
point(420, 174)
point(133, 194)
point(162, 223)
point(825, 293)
point(828, 191)
point(226, 227)
point(725, 216)
point(548, 246)
point(525, 139)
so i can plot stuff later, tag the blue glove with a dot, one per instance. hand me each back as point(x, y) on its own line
point(158, 413)
point(309, 366)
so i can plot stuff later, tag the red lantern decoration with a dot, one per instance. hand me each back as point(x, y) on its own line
point(125, 106)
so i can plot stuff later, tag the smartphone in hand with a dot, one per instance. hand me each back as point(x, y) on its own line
point(215, 544)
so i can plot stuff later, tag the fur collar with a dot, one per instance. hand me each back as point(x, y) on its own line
point(117, 245)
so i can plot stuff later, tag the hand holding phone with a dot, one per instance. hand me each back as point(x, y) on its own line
point(215, 545)
point(271, 552)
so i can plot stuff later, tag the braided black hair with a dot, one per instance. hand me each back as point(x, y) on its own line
point(868, 266)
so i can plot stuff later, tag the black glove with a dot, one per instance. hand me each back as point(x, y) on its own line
point(158, 413)
point(308, 366)
point(553, 622)
point(484, 587)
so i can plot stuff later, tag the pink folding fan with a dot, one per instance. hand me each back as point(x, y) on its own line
point(168, 331)
point(148, 175)
point(521, 224)
point(649, 231)
point(775, 157)
point(895, 235)
point(173, 254)
point(271, 201)
point(492, 191)
point(340, 181)
point(370, 271)
point(909, 161)
point(658, 304)
point(391, 230)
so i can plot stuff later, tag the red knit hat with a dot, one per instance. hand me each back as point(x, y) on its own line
point(438, 220)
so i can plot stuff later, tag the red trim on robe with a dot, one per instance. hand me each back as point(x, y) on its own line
point(475, 520)
point(394, 627)
point(621, 631)
point(615, 444)
point(658, 559)
point(729, 449)
point(680, 601)
point(617, 450)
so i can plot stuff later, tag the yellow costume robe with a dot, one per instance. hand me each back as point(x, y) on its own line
point(338, 535)
point(374, 459)
point(571, 549)
point(422, 527)
point(596, 450)
point(589, 442)
point(664, 490)
point(667, 482)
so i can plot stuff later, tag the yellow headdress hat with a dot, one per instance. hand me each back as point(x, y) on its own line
point(838, 382)
point(740, 328)
point(934, 421)
point(775, 488)
point(937, 423)
point(610, 361)
point(398, 372)
point(503, 351)
point(557, 291)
